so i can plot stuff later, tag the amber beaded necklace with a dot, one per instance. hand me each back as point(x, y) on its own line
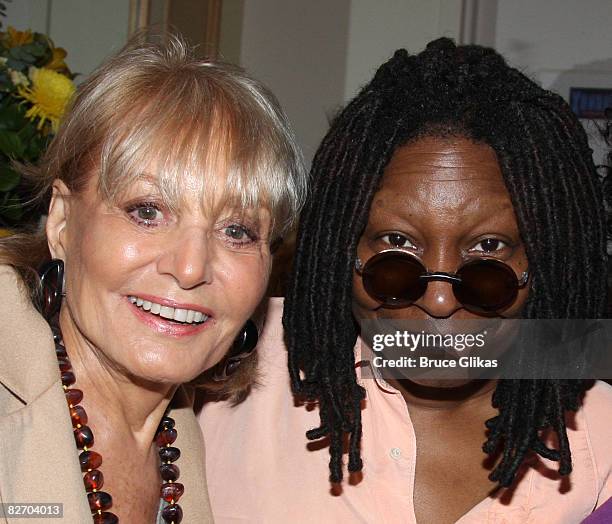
point(101, 501)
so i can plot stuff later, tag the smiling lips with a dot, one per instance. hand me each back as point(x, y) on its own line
point(183, 315)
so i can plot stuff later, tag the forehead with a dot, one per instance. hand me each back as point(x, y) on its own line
point(439, 180)
point(198, 165)
point(453, 173)
point(191, 193)
point(445, 160)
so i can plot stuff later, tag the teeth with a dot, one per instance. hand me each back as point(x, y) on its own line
point(167, 312)
point(180, 315)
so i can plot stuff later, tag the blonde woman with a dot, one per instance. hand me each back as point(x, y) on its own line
point(169, 178)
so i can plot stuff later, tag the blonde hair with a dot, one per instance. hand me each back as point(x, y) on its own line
point(154, 105)
point(156, 101)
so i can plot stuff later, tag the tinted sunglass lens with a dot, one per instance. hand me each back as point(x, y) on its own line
point(392, 278)
point(486, 285)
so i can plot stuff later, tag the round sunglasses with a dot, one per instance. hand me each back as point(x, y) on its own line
point(396, 279)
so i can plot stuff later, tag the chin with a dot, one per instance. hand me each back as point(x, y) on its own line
point(166, 369)
point(161, 377)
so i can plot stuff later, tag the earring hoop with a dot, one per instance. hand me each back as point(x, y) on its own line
point(52, 283)
point(243, 346)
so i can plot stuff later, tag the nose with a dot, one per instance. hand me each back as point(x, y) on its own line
point(439, 301)
point(188, 259)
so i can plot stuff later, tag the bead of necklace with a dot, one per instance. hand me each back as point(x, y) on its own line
point(93, 479)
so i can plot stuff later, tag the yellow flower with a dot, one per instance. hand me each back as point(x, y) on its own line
point(49, 93)
point(14, 38)
point(57, 60)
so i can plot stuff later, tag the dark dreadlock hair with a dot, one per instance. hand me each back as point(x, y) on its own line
point(547, 167)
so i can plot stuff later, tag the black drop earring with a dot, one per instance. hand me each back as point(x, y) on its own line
point(243, 346)
point(52, 282)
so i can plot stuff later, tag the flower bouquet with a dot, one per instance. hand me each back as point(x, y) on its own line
point(35, 88)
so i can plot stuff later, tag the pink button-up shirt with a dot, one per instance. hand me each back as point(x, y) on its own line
point(261, 468)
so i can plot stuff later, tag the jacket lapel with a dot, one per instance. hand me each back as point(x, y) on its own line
point(38, 458)
point(28, 365)
point(194, 502)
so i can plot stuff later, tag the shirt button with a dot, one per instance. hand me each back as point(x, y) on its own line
point(395, 453)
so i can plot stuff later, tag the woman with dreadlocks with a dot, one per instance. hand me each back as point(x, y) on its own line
point(446, 160)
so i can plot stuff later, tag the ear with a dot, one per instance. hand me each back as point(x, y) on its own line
point(59, 211)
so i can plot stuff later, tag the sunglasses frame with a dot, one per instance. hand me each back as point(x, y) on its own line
point(451, 278)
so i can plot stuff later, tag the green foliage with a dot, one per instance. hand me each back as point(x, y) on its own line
point(20, 139)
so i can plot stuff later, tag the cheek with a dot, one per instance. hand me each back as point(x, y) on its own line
point(516, 310)
point(84, 263)
point(100, 258)
point(245, 278)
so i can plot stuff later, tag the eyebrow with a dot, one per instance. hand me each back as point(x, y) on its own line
point(148, 178)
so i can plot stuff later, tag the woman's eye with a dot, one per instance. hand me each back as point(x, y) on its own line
point(489, 245)
point(146, 214)
point(238, 233)
point(397, 240)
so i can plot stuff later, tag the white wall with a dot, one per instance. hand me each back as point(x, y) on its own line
point(298, 49)
point(558, 41)
point(315, 55)
point(378, 28)
point(561, 44)
point(27, 14)
point(230, 37)
point(89, 30)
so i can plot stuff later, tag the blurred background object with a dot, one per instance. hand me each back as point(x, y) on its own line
point(35, 88)
point(199, 21)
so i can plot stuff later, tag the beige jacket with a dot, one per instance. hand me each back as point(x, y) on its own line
point(38, 456)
